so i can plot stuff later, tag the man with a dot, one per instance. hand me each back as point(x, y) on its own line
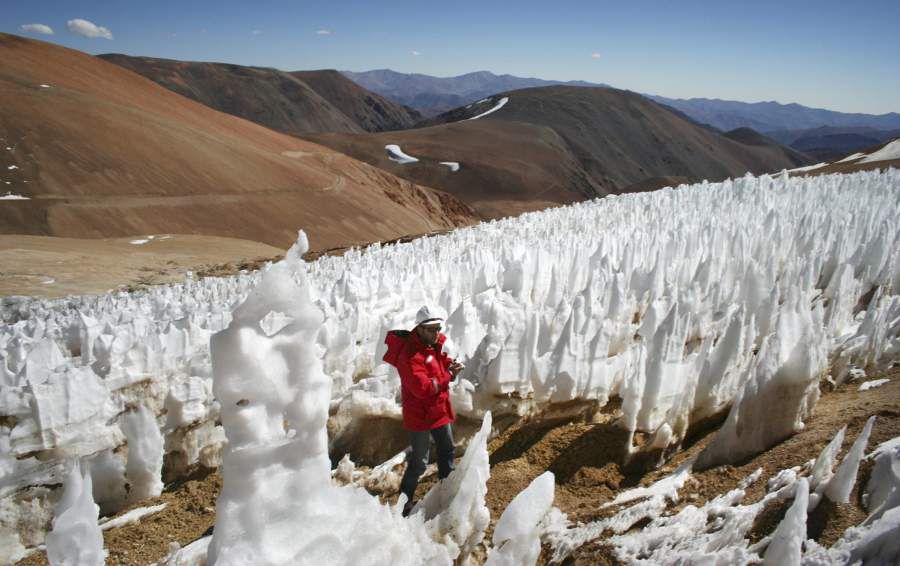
point(425, 376)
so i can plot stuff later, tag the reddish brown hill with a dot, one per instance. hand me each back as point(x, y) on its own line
point(559, 144)
point(505, 168)
point(294, 103)
point(104, 152)
point(373, 113)
point(622, 138)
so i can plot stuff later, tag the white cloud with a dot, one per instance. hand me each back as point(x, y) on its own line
point(324, 32)
point(88, 29)
point(595, 55)
point(256, 32)
point(415, 53)
point(36, 28)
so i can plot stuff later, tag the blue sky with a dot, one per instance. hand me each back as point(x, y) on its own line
point(838, 55)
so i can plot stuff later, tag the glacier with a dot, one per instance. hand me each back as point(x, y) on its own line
point(684, 305)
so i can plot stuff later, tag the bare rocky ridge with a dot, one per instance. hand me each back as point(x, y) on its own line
point(103, 152)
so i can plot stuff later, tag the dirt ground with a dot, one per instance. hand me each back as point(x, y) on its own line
point(582, 453)
point(41, 266)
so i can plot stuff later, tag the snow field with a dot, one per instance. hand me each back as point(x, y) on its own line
point(681, 303)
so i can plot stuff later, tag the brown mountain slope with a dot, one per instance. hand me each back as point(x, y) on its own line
point(373, 113)
point(505, 167)
point(104, 152)
point(559, 144)
point(294, 103)
point(751, 137)
point(622, 137)
point(269, 97)
point(854, 162)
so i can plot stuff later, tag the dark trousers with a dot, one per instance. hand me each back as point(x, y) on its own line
point(418, 458)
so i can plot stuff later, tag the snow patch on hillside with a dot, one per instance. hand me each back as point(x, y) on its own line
point(890, 151)
point(496, 107)
point(396, 154)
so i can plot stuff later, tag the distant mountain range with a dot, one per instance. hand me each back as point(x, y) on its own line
point(771, 116)
point(434, 95)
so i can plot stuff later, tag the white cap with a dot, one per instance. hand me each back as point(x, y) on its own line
point(430, 314)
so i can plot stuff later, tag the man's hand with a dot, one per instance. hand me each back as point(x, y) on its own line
point(454, 369)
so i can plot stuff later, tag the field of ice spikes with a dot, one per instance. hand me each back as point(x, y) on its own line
point(683, 303)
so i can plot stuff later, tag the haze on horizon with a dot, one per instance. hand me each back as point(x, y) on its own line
point(818, 54)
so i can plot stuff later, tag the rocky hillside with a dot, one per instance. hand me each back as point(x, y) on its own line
point(559, 144)
point(94, 150)
point(293, 103)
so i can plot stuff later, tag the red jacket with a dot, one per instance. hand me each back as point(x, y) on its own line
point(424, 380)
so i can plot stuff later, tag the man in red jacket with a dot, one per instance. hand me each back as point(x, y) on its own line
point(425, 376)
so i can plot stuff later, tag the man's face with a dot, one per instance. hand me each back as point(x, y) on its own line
point(428, 333)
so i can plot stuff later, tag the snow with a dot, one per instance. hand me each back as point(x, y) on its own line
point(11, 167)
point(11, 196)
point(852, 157)
point(396, 155)
point(840, 486)
point(45, 86)
point(785, 548)
point(193, 554)
point(652, 500)
point(496, 107)
point(383, 478)
point(807, 168)
point(453, 165)
point(822, 470)
point(133, 516)
point(882, 492)
point(873, 384)
point(717, 532)
point(146, 239)
point(516, 536)
point(455, 508)
point(76, 538)
point(145, 454)
point(683, 304)
point(889, 151)
point(276, 473)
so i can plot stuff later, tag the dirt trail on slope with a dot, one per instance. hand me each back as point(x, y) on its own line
point(583, 457)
